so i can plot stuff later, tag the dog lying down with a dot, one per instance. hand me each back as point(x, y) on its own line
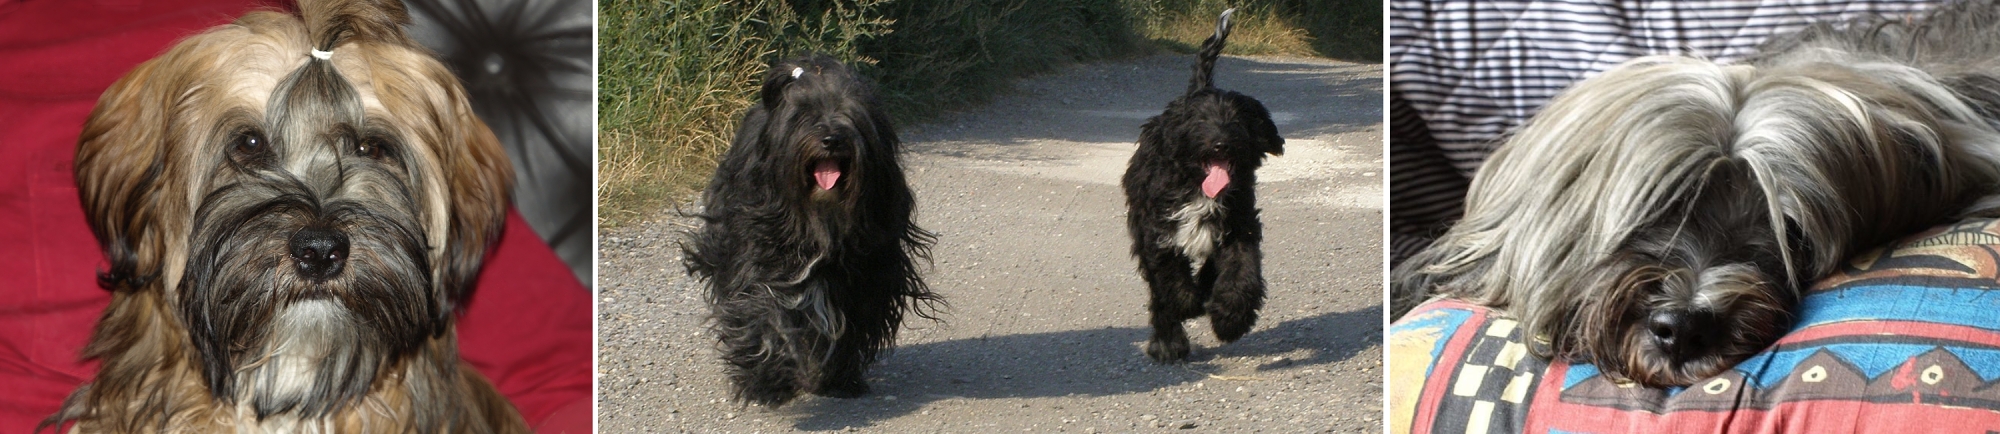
point(1661, 220)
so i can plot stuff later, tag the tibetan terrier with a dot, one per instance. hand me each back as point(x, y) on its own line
point(291, 206)
point(1662, 220)
point(806, 242)
point(1190, 191)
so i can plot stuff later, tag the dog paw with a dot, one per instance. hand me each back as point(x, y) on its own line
point(1167, 350)
point(1230, 326)
point(767, 397)
point(844, 389)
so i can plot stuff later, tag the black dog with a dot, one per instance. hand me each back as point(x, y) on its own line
point(806, 243)
point(1190, 190)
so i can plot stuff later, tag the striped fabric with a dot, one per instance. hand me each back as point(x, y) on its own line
point(1463, 74)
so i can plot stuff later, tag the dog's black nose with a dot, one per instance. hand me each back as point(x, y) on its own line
point(831, 142)
point(319, 253)
point(1671, 329)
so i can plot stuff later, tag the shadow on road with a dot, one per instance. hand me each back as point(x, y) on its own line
point(1094, 362)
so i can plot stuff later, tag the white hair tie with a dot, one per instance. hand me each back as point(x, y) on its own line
point(796, 72)
point(322, 55)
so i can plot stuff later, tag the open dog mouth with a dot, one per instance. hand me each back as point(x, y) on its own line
point(827, 173)
point(1218, 177)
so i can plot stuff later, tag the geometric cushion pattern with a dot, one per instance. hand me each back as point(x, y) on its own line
point(1902, 339)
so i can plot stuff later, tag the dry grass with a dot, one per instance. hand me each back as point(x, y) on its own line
point(674, 77)
point(1341, 29)
point(1253, 33)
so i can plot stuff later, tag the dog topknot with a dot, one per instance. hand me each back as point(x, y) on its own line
point(332, 23)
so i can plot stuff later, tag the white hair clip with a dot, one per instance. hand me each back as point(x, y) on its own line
point(796, 72)
point(322, 55)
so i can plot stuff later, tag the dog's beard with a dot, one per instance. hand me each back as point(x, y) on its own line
point(832, 193)
point(828, 176)
point(832, 187)
point(283, 341)
point(307, 349)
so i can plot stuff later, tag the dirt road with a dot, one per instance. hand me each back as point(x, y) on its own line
point(1047, 311)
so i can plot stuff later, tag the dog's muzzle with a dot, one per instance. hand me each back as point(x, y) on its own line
point(1683, 333)
point(319, 253)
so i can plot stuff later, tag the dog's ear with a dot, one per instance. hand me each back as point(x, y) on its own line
point(1273, 143)
point(781, 74)
point(478, 177)
point(125, 178)
point(1265, 131)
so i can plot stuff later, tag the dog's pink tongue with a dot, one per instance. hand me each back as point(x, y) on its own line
point(827, 173)
point(1218, 177)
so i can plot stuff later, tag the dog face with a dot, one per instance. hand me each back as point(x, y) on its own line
point(306, 221)
point(820, 122)
point(1662, 219)
point(1222, 132)
point(1694, 291)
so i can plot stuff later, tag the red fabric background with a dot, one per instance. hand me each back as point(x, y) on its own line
point(528, 327)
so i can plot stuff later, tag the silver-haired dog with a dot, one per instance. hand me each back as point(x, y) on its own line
point(1663, 219)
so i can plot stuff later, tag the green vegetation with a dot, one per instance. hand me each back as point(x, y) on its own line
point(675, 75)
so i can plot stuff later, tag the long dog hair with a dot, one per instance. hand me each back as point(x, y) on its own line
point(289, 233)
point(1190, 193)
point(806, 244)
point(1662, 220)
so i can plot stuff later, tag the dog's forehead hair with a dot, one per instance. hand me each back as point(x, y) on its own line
point(826, 107)
point(306, 104)
point(827, 99)
point(312, 114)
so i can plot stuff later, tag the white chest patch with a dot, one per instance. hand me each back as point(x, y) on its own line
point(1200, 229)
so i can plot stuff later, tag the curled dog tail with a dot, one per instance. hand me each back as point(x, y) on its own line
point(1204, 67)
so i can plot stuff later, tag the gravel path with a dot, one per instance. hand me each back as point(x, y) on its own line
point(1047, 311)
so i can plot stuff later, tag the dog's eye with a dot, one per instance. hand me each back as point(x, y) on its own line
point(372, 147)
point(249, 145)
point(249, 142)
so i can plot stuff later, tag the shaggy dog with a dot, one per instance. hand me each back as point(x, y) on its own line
point(1191, 194)
point(806, 243)
point(292, 206)
point(1661, 220)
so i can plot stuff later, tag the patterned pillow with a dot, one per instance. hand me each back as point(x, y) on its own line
point(1902, 340)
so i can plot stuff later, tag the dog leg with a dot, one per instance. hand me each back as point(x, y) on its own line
point(761, 368)
point(842, 377)
point(1238, 284)
point(865, 307)
point(1175, 298)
